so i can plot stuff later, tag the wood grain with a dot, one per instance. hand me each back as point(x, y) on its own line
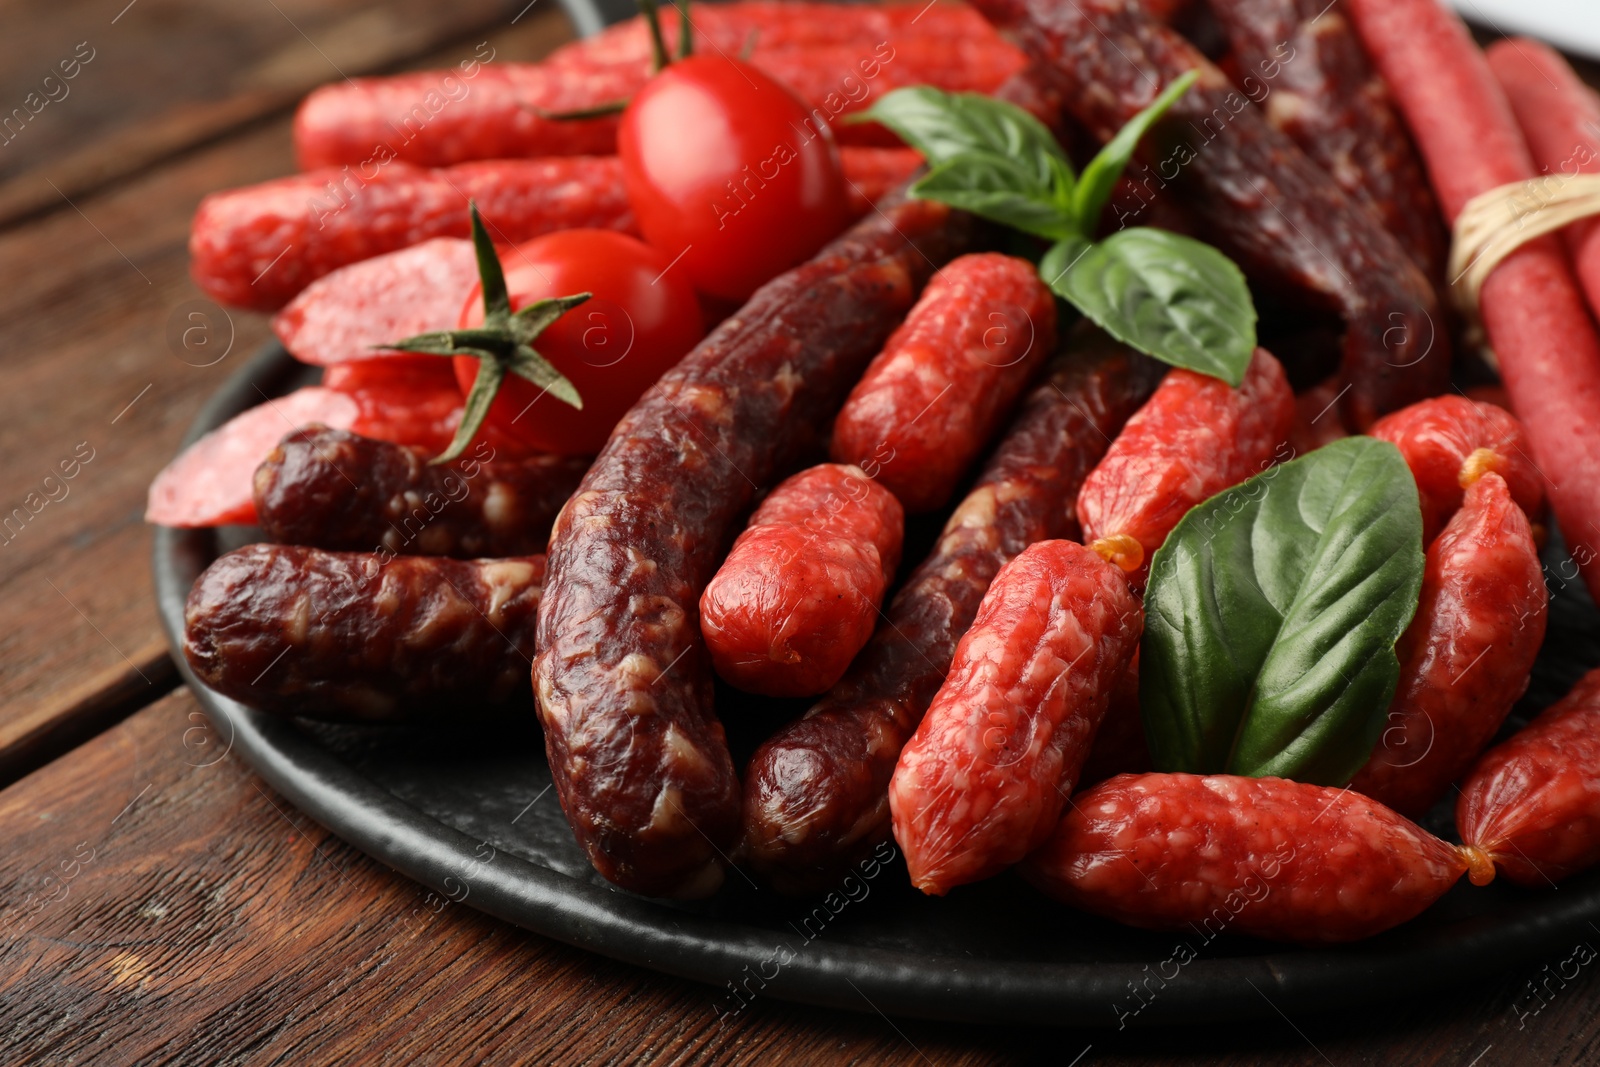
point(199, 918)
point(96, 302)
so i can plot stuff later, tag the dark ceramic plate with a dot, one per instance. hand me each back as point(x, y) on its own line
point(469, 813)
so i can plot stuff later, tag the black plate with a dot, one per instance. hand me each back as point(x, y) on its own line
point(468, 813)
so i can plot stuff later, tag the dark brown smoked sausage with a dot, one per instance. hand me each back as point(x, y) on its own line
point(1330, 101)
point(346, 636)
point(1260, 198)
point(623, 683)
point(338, 490)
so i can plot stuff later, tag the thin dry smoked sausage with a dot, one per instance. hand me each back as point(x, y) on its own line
point(1324, 94)
point(1450, 441)
point(1194, 438)
point(1265, 857)
point(1269, 206)
point(1466, 656)
point(338, 490)
point(983, 781)
point(798, 594)
point(933, 398)
point(1532, 804)
point(816, 793)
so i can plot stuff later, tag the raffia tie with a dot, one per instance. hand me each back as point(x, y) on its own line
point(1497, 223)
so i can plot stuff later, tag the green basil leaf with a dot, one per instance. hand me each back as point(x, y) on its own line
point(944, 125)
point(1100, 176)
point(1272, 614)
point(996, 188)
point(1169, 296)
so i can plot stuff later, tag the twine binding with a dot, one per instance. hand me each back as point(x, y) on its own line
point(1497, 223)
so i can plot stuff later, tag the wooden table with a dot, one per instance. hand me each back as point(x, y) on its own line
point(158, 903)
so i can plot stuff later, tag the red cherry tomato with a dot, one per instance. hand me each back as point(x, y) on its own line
point(728, 168)
point(642, 319)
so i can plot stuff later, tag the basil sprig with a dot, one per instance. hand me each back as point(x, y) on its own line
point(1166, 295)
point(1272, 614)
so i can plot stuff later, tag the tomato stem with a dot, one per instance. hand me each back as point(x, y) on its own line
point(685, 31)
point(503, 344)
point(599, 111)
point(658, 43)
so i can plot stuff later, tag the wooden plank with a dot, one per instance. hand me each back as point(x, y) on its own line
point(95, 303)
point(159, 77)
point(204, 918)
point(155, 886)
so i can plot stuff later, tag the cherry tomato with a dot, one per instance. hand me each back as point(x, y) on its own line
point(728, 168)
point(642, 319)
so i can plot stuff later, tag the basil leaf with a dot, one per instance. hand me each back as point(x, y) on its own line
point(1169, 296)
point(944, 125)
point(996, 188)
point(1100, 176)
point(1272, 614)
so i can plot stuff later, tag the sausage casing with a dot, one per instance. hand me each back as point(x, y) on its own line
point(338, 490)
point(798, 595)
point(341, 635)
point(983, 781)
point(931, 401)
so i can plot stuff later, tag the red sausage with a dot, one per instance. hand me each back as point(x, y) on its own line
point(1532, 308)
point(1449, 442)
point(341, 316)
point(209, 483)
point(983, 781)
point(1533, 803)
point(496, 112)
point(784, 26)
point(929, 403)
point(360, 122)
point(1196, 437)
point(258, 246)
point(1466, 656)
point(1265, 857)
point(1560, 116)
point(798, 594)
